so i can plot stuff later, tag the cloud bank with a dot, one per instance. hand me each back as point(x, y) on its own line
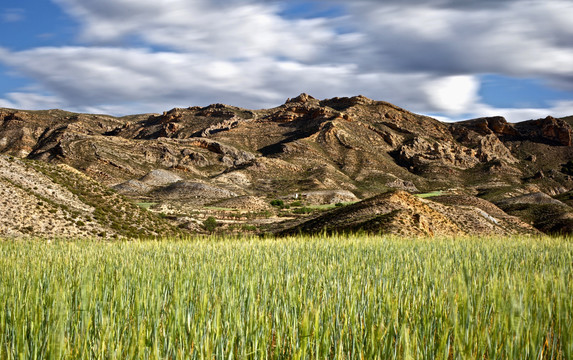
point(138, 56)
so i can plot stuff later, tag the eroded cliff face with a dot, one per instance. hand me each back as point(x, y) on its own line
point(350, 144)
point(548, 130)
point(352, 139)
point(551, 130)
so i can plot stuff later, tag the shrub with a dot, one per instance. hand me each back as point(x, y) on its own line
point(210, 224)
point(278, 203)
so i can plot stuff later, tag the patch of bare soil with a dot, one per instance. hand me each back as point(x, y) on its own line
point(246, 203)
point(193, 190)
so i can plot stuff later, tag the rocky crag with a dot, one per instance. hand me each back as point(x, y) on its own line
point(311, 154)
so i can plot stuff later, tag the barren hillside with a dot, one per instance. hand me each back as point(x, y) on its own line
point(38, 199)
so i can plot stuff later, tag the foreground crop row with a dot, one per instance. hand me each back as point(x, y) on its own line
point(336, 297)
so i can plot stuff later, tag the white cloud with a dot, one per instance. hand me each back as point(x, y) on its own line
point(30, 101)
point(426, 56)
point(520, 38)
point(514, 37)
point(557, 109)
point(225, 29)
point(453, 95)
point(98, 77)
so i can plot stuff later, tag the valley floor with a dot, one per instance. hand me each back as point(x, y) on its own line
point(297, 297)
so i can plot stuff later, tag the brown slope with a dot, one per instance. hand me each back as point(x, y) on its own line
point(547, 214)
point(401, 213)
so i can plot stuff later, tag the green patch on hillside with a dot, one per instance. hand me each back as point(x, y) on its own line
point(330, 206)
point(430, 194)
point(566, 198)
point(219, 208)
point(496, 193)
point(146, 205)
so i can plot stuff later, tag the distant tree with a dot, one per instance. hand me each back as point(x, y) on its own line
point(210, 224)
point(278, 203)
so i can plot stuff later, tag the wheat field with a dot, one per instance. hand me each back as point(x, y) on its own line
point(337, 297)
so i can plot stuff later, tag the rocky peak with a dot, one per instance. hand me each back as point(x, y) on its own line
point(302, 98)
point(342, 103)
point(549, 129)
point(9, 116)
point(500, 126)
point(489, 125)
point(296, 110)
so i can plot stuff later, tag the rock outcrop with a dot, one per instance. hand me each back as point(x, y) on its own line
point(421, 152)
point(549, 129)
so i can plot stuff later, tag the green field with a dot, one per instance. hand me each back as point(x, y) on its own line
point(430, 194)
point(293, 298)
point(146, 205)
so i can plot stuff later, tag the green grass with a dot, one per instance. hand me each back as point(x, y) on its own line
point(146, 205)
point(294, 298)
point(430, 194)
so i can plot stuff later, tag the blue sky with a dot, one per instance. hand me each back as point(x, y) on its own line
point(453, 59)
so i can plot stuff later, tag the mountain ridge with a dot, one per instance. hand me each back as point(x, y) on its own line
point(305, 145)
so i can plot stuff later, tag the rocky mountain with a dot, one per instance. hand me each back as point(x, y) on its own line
point(311, 154)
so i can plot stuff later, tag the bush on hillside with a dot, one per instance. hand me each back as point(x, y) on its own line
point(210, 224)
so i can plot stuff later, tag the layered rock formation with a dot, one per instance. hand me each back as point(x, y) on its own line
point(355, 146)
